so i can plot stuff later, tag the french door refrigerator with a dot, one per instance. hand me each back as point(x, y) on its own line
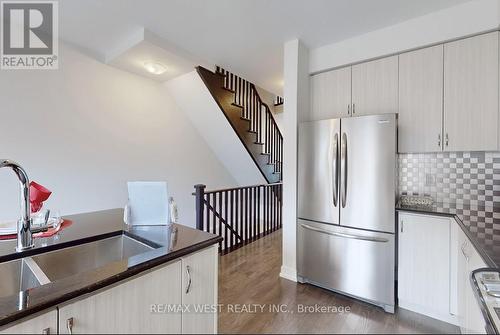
point(346, 206)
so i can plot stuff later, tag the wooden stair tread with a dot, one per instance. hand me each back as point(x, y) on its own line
point(228, 89)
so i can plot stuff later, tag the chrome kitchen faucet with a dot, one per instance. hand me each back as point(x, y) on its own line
point(24, 233)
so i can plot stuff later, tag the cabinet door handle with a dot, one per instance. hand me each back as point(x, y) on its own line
point(46, 331)
point(69, 325)
point(402, 226)
point(353, 108)
point(439, 140)
point(348, 109)
point(188, 272)
point(464, 253)
point(447, 140)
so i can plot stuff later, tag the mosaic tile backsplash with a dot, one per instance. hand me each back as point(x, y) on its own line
point(462, 178)
point(463, 183)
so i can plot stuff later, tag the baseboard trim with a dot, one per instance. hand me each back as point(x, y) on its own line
point(288, 273)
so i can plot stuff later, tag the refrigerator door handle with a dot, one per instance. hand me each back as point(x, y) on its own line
point(343, 169)
point(335, 174)
point(355, 237)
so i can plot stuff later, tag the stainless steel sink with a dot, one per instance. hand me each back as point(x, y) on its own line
point(20, 275)
point(71, 261)
point(30, 272)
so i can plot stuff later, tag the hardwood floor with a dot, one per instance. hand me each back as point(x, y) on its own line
point(249, 281)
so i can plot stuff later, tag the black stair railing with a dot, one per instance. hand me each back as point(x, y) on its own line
point(239, 215)
point(255, 110)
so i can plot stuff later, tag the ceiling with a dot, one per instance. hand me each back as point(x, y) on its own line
point(244, 36)
point(144, 49)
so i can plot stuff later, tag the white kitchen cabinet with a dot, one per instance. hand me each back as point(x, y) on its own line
point(45, 323)
point(128, 306)
point(447, 96)
point(421, 100)
point(375, 87)
point(331, 94)
point(435, 262)
point(424, 278)
point(199, 278)
point(471, 92)
point(474, 320)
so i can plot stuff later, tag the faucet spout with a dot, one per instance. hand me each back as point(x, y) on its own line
point(24, 235)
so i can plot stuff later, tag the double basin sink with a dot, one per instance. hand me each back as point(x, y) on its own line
point(30, 272)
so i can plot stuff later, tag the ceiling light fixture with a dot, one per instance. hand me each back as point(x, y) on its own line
point(154, 67)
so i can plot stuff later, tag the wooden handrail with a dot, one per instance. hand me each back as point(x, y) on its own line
point(263, 103)
point(238, 188)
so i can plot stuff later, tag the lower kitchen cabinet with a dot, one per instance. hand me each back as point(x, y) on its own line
point(424, 278)
point(45, 323)
point(127, 307)
point(435, 262)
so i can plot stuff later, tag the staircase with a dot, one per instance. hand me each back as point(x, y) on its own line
point(250, 117)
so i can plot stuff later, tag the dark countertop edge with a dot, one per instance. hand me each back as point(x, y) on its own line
point(137, 269)
point(491, 326)
point(486, 258)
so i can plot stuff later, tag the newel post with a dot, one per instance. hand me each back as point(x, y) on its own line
point(200, 203)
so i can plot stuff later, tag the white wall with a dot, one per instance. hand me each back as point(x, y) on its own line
point(296, 95)
point(86, 129)
point(462, 20)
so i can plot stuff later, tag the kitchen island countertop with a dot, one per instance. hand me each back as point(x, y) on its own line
point(168, 244)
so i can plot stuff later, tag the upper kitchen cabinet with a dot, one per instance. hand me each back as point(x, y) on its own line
point(421, 100)
point(331, 94)
point(375, 87)
point(471, 94)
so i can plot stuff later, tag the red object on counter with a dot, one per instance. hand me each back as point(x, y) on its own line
point(38, 194)
point(52, 231)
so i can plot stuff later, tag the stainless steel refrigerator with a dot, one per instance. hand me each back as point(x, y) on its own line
point(346, 206)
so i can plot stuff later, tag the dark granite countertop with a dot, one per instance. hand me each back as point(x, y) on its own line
point(91, 227)
point(477, 223)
